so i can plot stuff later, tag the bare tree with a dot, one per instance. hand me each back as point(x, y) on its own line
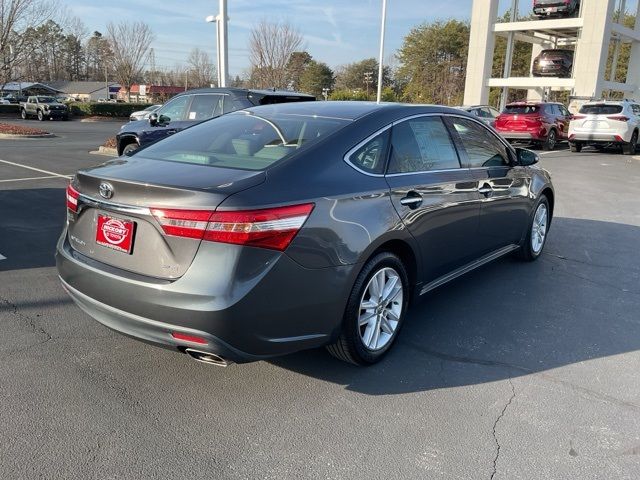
point(201, 69)
point(270, 48)
point(16, 16)
point(130, 43)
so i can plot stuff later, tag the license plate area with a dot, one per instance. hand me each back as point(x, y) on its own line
point(115, 233)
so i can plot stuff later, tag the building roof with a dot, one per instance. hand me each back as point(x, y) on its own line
point(85, 88)
point(17, 86)
point(157, 89)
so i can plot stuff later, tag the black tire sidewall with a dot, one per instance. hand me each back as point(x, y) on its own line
point(127, 148)
point(547, 145)
point(350, 322)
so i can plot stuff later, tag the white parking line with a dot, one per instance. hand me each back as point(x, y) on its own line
point(29, 178)
point(2, 257)
point(37, 169)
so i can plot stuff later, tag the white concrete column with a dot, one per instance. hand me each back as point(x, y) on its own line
point(633, 75)
point(593, 47)
point(481, 45)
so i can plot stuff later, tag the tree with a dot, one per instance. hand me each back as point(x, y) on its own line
point(130, 43)
point(98, 57)
point(270, 48)
point(296, 66)
point(201, 70)
point(433, 60)
point(315, 77)
point(362, 75)
point(16, 16)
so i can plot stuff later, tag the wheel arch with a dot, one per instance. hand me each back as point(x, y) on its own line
point(125, 140)
point(405, 252)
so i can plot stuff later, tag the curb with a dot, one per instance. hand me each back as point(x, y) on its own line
point(109, 152)
point(39, 135)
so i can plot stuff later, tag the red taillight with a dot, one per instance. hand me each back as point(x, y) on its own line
point(189, 338)
point(618, 118)
point(272, 228)
point(72, 198)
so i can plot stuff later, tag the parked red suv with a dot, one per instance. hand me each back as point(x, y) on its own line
point(538, 123)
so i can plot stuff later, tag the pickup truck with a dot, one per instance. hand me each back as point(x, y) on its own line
point(43, 107)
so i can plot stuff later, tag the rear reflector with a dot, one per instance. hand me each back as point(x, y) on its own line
point(72, 198)
point(189, 338)
point(619, 138)
point(272, 228)
point(618, 118)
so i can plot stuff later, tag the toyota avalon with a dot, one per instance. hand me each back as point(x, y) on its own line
point(293, 226)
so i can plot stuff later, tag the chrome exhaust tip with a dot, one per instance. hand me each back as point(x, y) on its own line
point(206, 357)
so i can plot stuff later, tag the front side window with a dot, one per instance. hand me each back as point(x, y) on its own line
point(175, 109)
point(483, 149)
point(421, 145)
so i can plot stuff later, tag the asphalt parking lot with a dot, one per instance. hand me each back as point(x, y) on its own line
point(514, 371)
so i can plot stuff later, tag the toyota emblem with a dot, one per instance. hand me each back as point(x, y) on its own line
point(106, 190)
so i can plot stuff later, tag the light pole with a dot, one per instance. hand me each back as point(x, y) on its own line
point(380, 68)
point(368, 79)
point(222, 50)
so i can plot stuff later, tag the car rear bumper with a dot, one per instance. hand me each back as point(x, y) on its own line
point(280, 307)
point(602, 137)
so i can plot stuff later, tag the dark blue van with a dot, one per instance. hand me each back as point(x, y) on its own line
point(194, 106)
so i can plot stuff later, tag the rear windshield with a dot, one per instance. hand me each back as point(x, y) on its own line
point(46, 100)
point(520, 109)
point(600, 109)
point(243, 141)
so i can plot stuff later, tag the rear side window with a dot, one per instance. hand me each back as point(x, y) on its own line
point(421, 145)
point(521, 109)
point(240, 141)
point(371, 156)
point(483, 148)
point(600, 109)
point(205, 106)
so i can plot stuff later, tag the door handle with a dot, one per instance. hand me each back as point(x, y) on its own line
point(486, 189)
point(412, 200)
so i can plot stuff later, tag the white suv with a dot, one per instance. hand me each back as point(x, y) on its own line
point(606, 123)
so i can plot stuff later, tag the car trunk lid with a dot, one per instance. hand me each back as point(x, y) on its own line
point(117, 222)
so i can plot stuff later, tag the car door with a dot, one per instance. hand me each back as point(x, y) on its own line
point(564, 118)
point(502, 184)
point(171, 119)
point(437, 200)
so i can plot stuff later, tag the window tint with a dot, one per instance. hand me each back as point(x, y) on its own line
point(600, 109)
point(564, 111)
point(420, 145)
point(372, 155)
point(483, 149)
point(484, 113)
point(247, 142)
point(205, 106)
point(176, 109)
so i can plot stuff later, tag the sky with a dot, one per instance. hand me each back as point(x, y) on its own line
point(336, 32)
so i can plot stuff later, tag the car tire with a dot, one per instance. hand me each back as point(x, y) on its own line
point(23, 114)
point(575, 147)
point(551, 140)
point(630, 148)
point(130, 148)
point(40, 115)
point(366, 343)
point(537, 231)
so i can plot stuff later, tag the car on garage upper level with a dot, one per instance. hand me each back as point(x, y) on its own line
point(194, 106)
point(562, 8)
point(553, 63)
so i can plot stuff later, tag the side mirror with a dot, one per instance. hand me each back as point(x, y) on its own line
point(153, 119)
point(526, 157)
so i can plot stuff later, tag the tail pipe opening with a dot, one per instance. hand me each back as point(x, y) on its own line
point(208, 358)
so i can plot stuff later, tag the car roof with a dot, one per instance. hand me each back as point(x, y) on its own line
point(352, 110)
point(245, 91)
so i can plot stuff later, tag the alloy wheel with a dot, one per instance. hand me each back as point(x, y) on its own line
point(539, 228)
point(380, 309)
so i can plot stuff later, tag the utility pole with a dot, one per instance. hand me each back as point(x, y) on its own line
point(325, 93)
point(368, 79)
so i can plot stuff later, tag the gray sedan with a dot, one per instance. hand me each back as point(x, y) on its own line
point(293, 226)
